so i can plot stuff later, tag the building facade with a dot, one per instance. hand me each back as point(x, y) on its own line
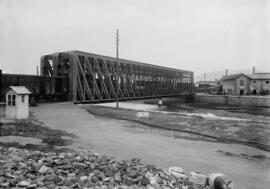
point(242, 84)
point(260, 83)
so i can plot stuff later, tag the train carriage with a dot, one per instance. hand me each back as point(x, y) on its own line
point(42, 87)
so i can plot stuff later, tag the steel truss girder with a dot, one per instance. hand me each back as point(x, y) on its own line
point(95, 78)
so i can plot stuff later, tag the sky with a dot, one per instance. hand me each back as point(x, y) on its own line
point(196, 35)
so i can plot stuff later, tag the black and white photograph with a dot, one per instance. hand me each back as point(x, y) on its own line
point(135, 94)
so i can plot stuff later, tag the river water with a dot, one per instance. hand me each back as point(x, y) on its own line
point(235, 160)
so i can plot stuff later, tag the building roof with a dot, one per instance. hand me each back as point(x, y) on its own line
point(233, 76)
point(216, 86)
point(250, 76)
point(19, 89)
point(206, 82)
point(259, 76)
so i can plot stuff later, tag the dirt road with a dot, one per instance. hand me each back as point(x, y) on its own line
point(121, 140)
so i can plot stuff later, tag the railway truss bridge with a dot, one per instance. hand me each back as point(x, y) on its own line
point(95, 78)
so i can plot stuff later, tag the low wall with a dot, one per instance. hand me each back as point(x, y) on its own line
point(234, 100)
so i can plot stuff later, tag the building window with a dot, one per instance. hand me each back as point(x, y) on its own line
point(267, 82)
point(242, 83)
point(11, 100)
point(254, 81)
point(22, 98)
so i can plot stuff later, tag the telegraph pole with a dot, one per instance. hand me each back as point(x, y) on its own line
point(37, 71)
point(204, 82)
point(117, 61)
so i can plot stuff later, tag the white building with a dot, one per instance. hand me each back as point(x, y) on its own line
point(17, 102)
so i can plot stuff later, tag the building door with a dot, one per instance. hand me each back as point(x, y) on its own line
point(241, 91)
point(254, 92)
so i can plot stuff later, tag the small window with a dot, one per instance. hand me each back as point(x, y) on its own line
point(11, 100)
point(22, 98)
point(242, 83)
point(267, 82)
point(254, 81)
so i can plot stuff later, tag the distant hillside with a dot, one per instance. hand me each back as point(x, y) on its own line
point(211, 76)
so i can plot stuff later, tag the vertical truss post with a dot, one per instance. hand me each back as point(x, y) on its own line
point(74, 79)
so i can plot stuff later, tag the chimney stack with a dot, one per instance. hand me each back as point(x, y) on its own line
point(253, 70)
point(226, 72)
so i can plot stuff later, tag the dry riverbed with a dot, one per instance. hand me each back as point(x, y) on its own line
point(225, 130)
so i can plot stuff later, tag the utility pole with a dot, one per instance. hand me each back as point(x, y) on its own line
point(117, 62)
point(204, 82)
point(37, 71)
point(1, 86)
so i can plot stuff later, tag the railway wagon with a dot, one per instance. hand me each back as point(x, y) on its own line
point(43, 88)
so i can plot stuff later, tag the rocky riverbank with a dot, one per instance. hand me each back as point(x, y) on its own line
point(36, 169)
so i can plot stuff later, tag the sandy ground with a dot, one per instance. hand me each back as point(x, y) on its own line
point(121, 140)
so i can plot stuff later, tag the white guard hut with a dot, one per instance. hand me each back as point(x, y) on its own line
point(17, 102)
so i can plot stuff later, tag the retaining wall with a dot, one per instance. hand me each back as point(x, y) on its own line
point(234, 100)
